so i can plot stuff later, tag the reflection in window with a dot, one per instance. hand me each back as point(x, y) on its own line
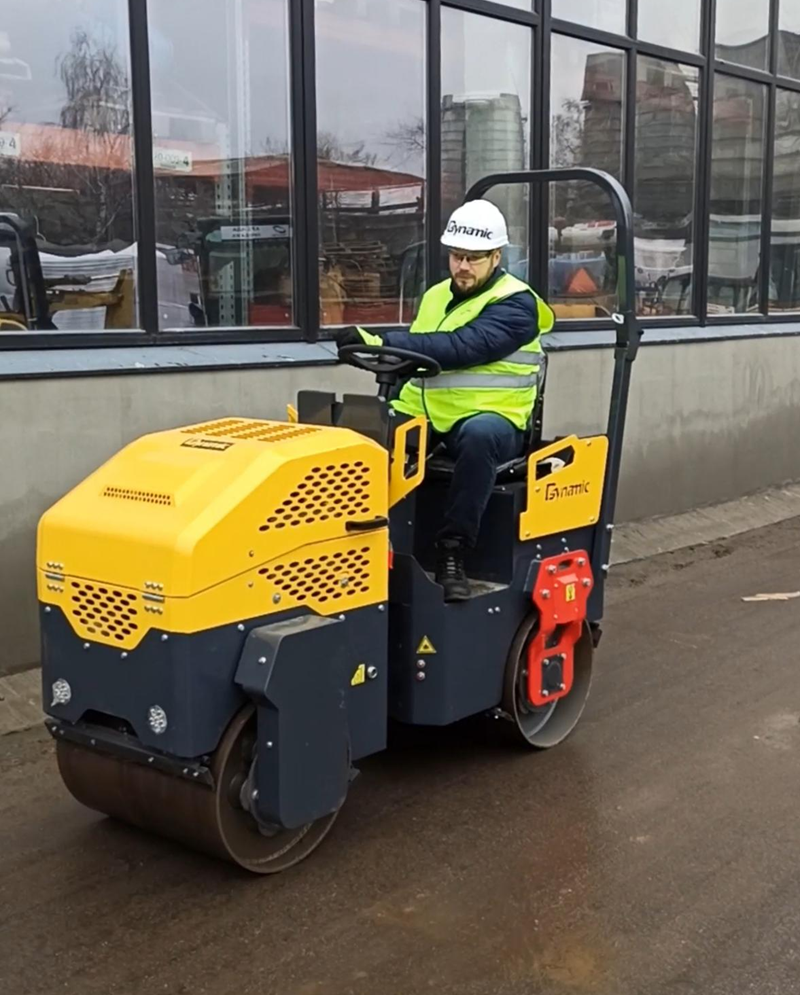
point(673, 25)
point(784, 291)
point(666, 142)
point(735, 207)
point(65, 167)
point(486, 117)
point(789, 39)
point(222, 162)
point(371, 158)
point(743, 32)
point(586, 128)
point(610, 15)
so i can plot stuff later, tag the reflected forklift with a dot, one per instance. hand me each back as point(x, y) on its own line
point(29, 299)
point(232, 611)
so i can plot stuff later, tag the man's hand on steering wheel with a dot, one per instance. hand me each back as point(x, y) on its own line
point(352, 335)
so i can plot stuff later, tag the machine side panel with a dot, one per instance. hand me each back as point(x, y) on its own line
point(190, 677)
point(447, 661)
point(316, 693)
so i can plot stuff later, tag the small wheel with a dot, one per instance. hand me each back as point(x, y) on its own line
point(543, 727)
point(212, 820)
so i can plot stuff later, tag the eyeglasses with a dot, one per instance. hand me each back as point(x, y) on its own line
point(469, 257)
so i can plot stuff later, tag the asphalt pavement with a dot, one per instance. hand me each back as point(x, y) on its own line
point(655, 852)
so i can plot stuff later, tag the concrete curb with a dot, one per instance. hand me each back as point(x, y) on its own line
point(20, 694)
point(20, 701)
point(641, 540)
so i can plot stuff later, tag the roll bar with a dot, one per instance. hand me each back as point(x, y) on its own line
point(628, 329)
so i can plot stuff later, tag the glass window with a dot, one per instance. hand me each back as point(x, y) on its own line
point(586, 129)
point(735, 207)
point(221, 151)
point(784, 291)
point(486, 117)
point(666, 146)
point(789, 39)
point(66, 190)
point(371, 157)
point(743, 32)
point(608, 15)
point(673, 25)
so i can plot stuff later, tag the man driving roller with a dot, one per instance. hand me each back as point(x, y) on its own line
point(483, 327)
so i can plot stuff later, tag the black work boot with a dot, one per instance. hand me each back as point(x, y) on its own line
point(450, 572)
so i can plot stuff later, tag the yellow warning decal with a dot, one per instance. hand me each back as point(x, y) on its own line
point(426, 646)
point(359, 676)
point(569, 591)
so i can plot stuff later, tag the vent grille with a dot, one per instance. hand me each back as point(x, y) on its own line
point(238, 428)
point(326, 492)
point(330, 577)
point(132, 494)
point(103, 611)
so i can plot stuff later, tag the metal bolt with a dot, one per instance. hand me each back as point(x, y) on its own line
point(604, 568)
point(341, 618)
point(381, 608)
point(562, 657)
point(344, 581)
point(262, 660)
point(545, 594)
point(497, 611)
point(164, 637)
point(93, 742)
point(563, 687)
point(551, 569)
point(563, 540)
point(524, 673)
point(149, 760)
point(123, 656)
point(251, 583)
point(609, 528)
point(538, 546)
point(269, 744)
point(276, 599)
point(372, 673)
point(47, 609)
point(185, 770)
point(420, 675)
point(254, 795)
point(491, 611)
point(252, 552)
point(196, 774)
point(86, 646)
point(240, 627)
point(421, 664)
point(581, 562)
point(545, 694)
point(587, 582)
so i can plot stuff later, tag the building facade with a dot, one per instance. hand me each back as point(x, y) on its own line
point(193, 193)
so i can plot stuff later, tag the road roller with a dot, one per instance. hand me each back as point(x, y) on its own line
point(232, 612)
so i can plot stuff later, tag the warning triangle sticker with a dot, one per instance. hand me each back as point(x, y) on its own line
point(426, 646)
point(359, 676)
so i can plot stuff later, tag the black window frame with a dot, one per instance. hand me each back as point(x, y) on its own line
point(305, 244)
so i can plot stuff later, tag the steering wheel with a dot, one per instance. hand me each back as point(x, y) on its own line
point(388, 363)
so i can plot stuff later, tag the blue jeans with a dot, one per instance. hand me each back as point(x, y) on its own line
point(477, 445)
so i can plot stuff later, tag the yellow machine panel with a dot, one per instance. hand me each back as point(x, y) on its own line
point(195, 527)
point(564, 497)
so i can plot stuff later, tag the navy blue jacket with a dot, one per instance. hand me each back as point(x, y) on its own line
point(499, 330)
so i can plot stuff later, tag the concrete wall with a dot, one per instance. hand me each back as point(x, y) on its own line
point(707, 422)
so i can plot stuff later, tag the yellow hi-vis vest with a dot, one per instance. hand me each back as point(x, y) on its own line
point(506, 387)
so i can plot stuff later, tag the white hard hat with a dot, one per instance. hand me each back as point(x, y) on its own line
point(477, 226)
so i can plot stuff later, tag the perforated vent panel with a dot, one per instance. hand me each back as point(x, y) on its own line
point(329, 577)
point(239, 428)
point(132, 494)
point(103, 611)
point(326, 492)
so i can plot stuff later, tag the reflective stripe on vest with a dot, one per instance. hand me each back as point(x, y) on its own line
point(506, 386)
point(449, 381)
